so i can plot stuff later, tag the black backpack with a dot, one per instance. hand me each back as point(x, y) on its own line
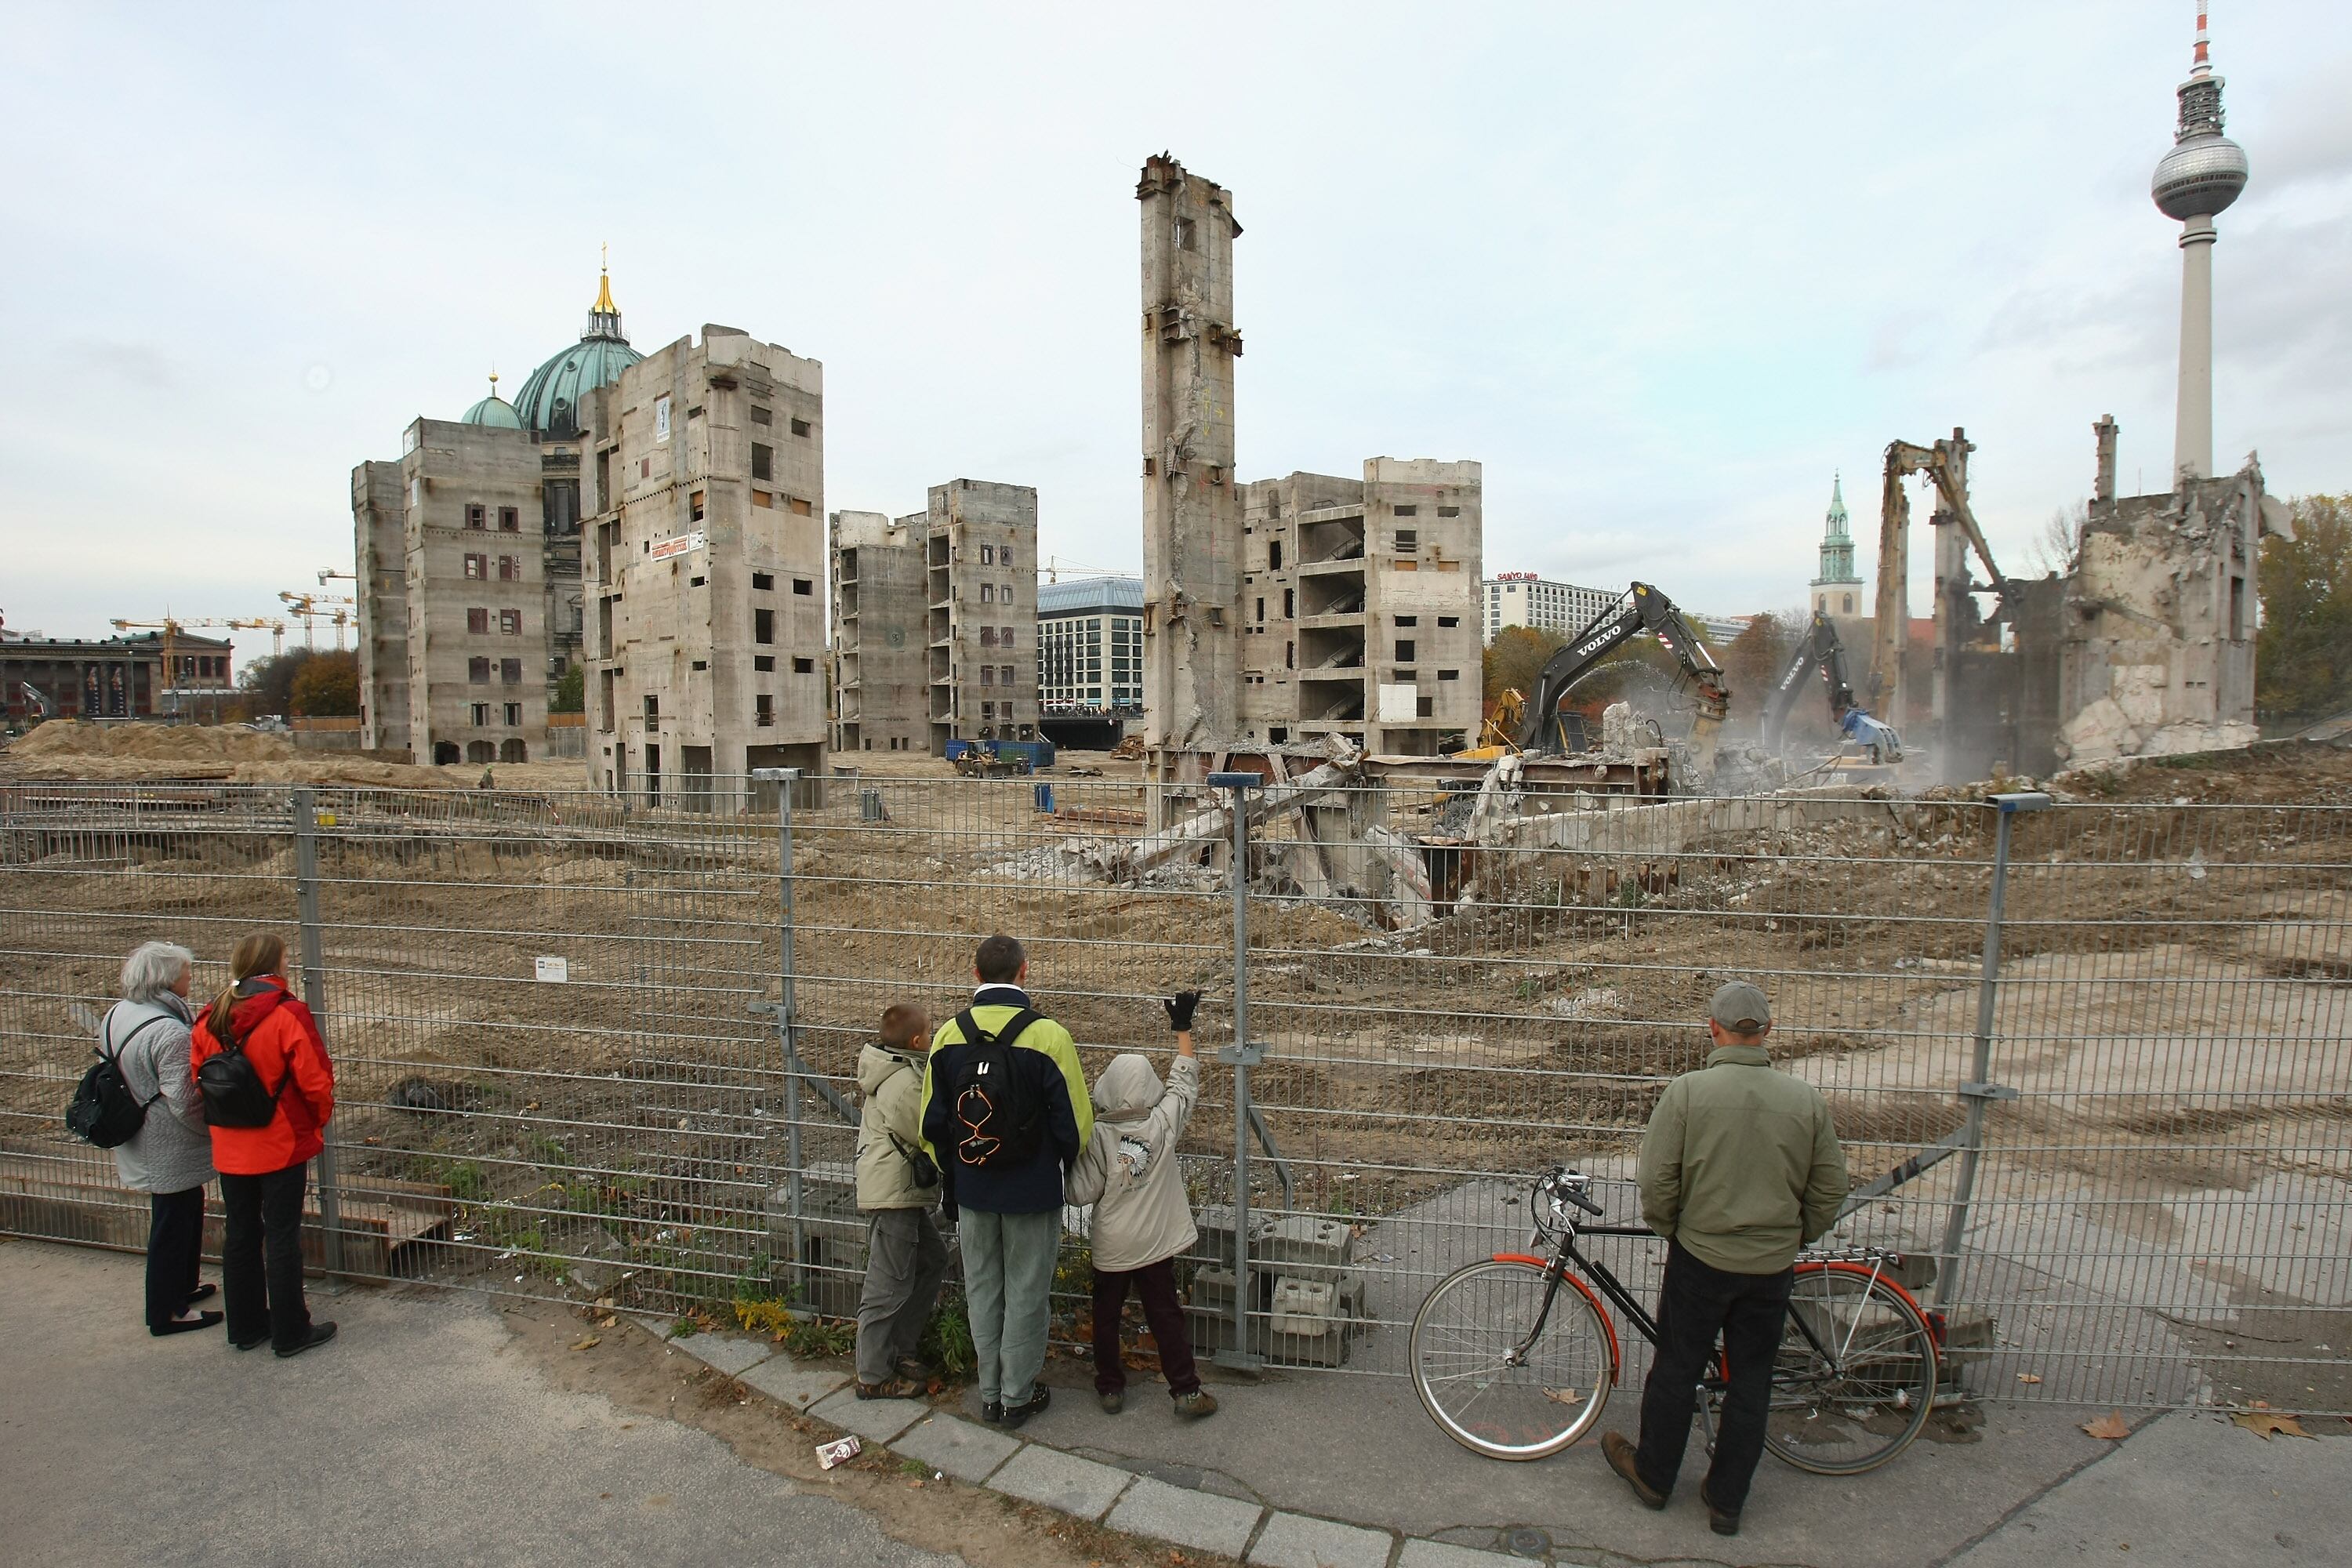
point(994, 1102)
point(103, 1110)
point(231, 1085)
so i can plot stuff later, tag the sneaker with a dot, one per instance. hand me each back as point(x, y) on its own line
point(1014, 1415)
point(320, 1335)
point(1722, 1522)
point(1619, 1452)
point(1194, 1406)
point(1112, 1402)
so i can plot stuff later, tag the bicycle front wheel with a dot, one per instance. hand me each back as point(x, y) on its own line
point(1491, 1380)
point(1855, 1376)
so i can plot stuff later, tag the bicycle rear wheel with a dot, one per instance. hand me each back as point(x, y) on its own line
point(1484, 1394)
point(1855, 1375)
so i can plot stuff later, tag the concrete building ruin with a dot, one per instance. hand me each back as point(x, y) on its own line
point(423, 647)
point(1287, 611)
point(956, 584)
point(706, 650)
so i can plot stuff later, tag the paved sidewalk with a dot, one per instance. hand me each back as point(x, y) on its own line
point(1340, 1471)
point(415, 1438)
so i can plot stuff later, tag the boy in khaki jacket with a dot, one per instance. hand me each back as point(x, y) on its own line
point(1142, 1220)
point(904, 1257)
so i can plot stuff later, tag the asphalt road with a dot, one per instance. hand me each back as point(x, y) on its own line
point(419, 1437)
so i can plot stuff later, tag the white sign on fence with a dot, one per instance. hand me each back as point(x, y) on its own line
point(555, 971)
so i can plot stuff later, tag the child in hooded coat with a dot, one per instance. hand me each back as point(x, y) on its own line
point(1142, 1220)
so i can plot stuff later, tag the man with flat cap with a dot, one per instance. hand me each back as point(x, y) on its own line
point(1740, 1169)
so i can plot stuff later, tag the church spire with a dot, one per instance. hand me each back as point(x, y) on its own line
point(1835, 583)
point(603, 316)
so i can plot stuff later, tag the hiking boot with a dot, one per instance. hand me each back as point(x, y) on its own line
point(1722, 1522)
point(1194, 1406)
point(895, 1388)
point(915, 1370)
point(1014, 1415)
point(992, 1412)
point(1112, 1402)
point(1619, 1454)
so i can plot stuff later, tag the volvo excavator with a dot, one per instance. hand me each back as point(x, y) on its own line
point(1819, 652)
point(1542, 729)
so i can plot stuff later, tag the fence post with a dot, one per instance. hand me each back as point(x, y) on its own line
point(1241, 1055)
point(787, 1028)
point(314, 995)
point(1978, 1091)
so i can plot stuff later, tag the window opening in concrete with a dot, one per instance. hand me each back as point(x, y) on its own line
point(1449, 675)
point(1407, 540)
point(477, 517)
point(1274, 555)
point(761, 415)
point(1278, 734)
point(988, 555)
point(800, 427)
point(476, 565)
point(1405, 649)
point(661, 419)
point(480, 752)
point(762, 581)
point(653, 719)
point(604, 712)
point(1449, 512)
point(764, 661)
point(988, 592)
point(478, 670)
point(478, 620)
point(1007, 675)
point(763, 710)
point(700, 664)
point(1408, 620)
point(1424, 707)
point(2238, 608)
point(803, 586)
point(697, 582)
point(444, 751)
point(763, 626)
point(800, 506)
point(1004, 555)
point(1005, 637)
point(763, 461)
point(1260, 609)
point(1449, 620)
point(514, 715)
point(644, 467)
point(804, 667)
point(511, 672)
point(1408, 511)
point(511, 749)
point(510, 623)
point(510, 519)
point(988, 675)
point(480, 714)
point(988, 636)
point(510, 569)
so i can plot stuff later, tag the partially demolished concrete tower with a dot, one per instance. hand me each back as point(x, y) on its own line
point(1192, 509)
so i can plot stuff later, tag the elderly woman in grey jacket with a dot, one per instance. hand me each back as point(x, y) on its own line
point(169, 1158)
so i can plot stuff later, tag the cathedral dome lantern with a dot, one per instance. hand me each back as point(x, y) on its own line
point(550, 400)
point(493, 411)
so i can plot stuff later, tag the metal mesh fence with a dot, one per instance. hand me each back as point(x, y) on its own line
point(564, 1068)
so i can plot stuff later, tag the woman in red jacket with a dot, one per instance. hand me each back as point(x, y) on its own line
point(262, 1169)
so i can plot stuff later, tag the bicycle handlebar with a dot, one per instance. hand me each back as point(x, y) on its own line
point(1570, 1184)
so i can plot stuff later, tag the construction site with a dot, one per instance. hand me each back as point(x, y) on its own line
point(2045, 901)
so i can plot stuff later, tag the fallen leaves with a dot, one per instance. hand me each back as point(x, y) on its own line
point(1562, 1396)
point(2112, 1426)
point(588, 1343)
point(2029, 1377)
point(2266, 1422)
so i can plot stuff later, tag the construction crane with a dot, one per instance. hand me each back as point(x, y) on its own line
point(272, 625)
point(311, 608)
point(329, 574)
point(171, 627)
point(1822, 652)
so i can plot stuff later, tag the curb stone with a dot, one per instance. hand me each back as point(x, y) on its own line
point(876, 1420)
point(782, 1379)
point(1419, 1553)
point(1299, 1540)
point(731, 1355)
point(1077, 1487)
point(1202, 1521)
point(955, 1446)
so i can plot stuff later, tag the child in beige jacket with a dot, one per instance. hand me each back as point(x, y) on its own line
point(1142, 1220)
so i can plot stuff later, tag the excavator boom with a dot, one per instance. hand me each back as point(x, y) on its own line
point(1643, 610)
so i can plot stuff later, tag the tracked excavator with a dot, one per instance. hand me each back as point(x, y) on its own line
point(1821, 652)
point(1542, 729)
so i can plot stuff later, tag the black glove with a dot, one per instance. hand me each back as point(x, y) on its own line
point(1180, 1009)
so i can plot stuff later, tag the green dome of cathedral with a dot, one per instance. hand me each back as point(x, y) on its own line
point(494, 411)
point(550, 401)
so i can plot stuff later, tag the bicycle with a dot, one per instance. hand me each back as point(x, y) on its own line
point(1512, 1366)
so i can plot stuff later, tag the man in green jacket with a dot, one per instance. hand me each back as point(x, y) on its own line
point(905, 1258)
point(1740, 1169)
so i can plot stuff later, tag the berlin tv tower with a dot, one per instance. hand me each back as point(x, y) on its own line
point(2201, 175)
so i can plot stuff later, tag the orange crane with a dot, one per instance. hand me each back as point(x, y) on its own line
point(171, 628)
point(311, 608)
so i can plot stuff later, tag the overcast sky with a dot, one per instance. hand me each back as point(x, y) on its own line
point(1661, 269)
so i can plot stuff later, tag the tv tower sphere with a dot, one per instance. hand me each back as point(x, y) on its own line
point(2205, 170)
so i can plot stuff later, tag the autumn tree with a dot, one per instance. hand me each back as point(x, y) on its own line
point(326, 685)
point(2303, 655)
point(571, 691)
point(1516, 657)
point(1753, 660)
